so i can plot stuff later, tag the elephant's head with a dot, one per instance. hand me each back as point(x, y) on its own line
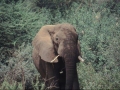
point(59, 40)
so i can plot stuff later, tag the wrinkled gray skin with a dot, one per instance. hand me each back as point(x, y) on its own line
point(61, 74)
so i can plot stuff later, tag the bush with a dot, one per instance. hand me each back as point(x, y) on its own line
point(20, 72)
point(19, 23)
point(105, 79)
point(89, 79)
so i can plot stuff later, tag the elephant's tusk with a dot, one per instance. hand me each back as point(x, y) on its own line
point(61, 72)
point(54, 58)
point(79, 57)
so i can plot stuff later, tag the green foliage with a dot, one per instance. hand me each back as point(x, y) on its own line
point(13, 86)
point(54, 4)
point(20, 70)
point(114, 5)
point(105, 79)
point(19, 22)
point(88, 78)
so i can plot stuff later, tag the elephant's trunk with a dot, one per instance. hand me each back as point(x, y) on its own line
point(70, 74)
point(70, 64)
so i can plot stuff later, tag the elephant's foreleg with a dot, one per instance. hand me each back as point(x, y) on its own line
point(62, 79)
point(52, 77)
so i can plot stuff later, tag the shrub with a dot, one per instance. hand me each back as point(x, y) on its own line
point(20, 72)
point(90, 79)
point(19, 23)
point(13, 86)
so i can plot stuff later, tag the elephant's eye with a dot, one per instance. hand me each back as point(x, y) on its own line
point(56, 38)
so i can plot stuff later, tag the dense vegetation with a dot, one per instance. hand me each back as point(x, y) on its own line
point(98, 26)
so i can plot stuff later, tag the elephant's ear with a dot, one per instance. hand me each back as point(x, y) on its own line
point(79, 50)
point(79, 53)
point(44, 44)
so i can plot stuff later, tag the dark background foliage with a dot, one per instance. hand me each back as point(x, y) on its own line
point(97, 23)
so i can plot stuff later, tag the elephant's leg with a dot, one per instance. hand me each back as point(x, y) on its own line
point(76, 83)
point(62, 79)
point(52, 76)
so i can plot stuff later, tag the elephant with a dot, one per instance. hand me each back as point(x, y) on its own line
point(56, 50)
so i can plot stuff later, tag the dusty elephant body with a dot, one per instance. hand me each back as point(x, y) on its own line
point(55, 54)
